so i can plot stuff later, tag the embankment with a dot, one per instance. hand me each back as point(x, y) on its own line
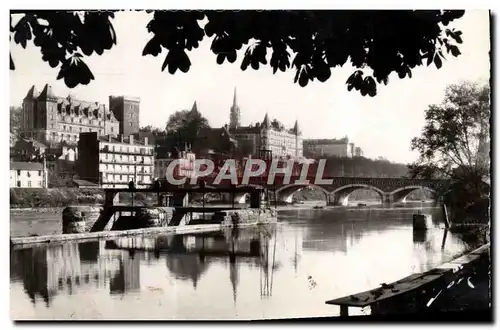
point(25, 198)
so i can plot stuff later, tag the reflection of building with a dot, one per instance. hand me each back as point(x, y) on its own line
point(128, 278)
point(71, 267)
point(113, 163)
point(32, 266)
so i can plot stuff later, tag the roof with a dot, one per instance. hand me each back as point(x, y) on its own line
point(27, 166)
point(246, 130)
point(326, 141)
point(126, 140)
point(82, 183)
point(36, 143)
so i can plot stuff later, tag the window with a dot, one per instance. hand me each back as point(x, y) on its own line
point(18, 183)
point(80, 129)
point(39, 173)
point(18, 172)
point(29, 184)
point(40, 183)
point(130, 124)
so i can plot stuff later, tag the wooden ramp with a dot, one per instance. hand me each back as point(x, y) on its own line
point(421, 284)
point(386, 291)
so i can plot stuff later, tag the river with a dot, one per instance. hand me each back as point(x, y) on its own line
point(287, 270)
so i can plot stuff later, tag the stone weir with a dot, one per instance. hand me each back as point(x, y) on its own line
point(82, 219)
point(78, 222)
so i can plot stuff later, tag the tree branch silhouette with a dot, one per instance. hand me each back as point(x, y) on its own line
point(312, 43)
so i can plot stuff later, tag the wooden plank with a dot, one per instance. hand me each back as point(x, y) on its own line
point(411, 282)
point(405, 285)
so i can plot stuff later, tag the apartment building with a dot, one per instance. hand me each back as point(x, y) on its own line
point(27, 175)
point(115, 162)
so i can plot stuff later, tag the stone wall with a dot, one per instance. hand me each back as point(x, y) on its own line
point(79, 219)
point(235, 217)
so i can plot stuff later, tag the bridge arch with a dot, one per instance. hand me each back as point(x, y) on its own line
point(400, 194)
point(340, 196)
point(285, 193)
point(241, 197)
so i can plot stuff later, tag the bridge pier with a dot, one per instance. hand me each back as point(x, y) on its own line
point(388, 199)
point(240, 199)
point(180, 199)
point(111, 198)
point(338, 199)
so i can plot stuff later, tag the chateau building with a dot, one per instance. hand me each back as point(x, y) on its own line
point(53, 119)
point(267, 135)
point(113, 162)
point(331, 147)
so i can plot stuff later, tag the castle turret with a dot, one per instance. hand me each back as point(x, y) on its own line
point(295, 129)
point(265, 122)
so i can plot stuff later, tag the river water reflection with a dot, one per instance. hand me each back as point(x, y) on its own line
point(286, 270)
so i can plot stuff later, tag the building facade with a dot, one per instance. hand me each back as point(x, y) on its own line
point(27, 175)
point(330, 147)
point(113, 162)
point(126, 111)
point(185, 168)
point(53, 119)
point(267, 135)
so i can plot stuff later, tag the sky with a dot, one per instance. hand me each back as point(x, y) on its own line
point(382, 126)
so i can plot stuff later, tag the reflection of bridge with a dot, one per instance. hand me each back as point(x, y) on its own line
point(336, 189)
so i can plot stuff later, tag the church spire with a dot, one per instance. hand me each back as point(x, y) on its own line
point(194, 109)
point(234, 113)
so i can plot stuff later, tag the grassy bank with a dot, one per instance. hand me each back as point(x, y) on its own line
point(54, 197)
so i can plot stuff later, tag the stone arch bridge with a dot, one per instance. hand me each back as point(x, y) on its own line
point(338, 189)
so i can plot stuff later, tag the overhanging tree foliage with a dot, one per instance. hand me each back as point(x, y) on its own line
point(377, 43)
point(455, 142)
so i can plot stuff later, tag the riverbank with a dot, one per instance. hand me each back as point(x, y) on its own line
point(446, 288)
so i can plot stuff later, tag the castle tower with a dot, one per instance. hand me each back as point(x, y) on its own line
point(29, 109)
point(234, 114)
point(126, 110)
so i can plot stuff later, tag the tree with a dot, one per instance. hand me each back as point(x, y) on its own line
point(15, 123)
point(455, 142)
point(184, 126)
point(311, 42)
point(151, 129)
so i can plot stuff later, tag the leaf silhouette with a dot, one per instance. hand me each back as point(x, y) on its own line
point(320, 40)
